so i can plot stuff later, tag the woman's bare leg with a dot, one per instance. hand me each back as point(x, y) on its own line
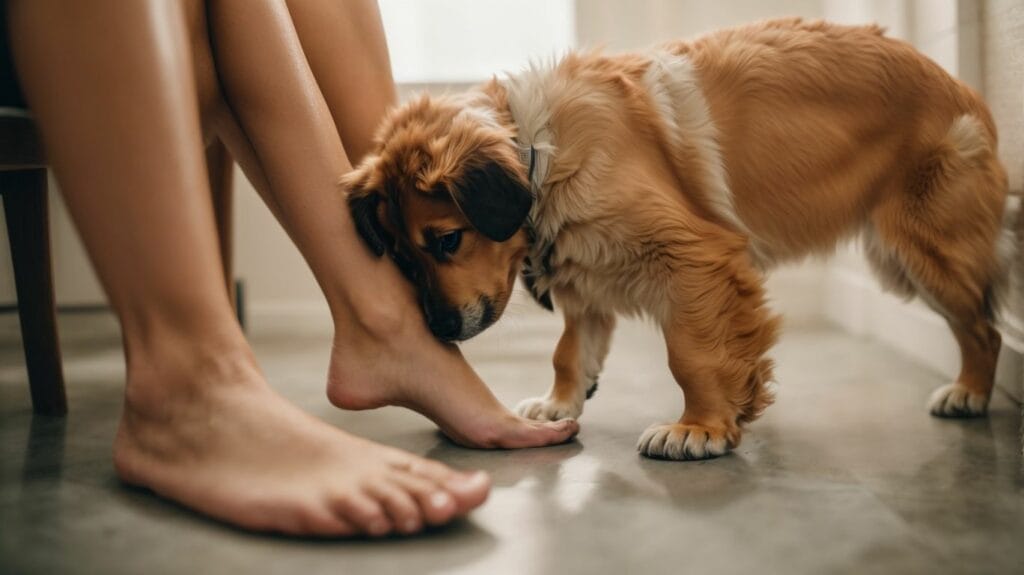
point(383, 353)
point(112, 87)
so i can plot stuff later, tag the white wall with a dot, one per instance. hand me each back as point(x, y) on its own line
point(628, 25)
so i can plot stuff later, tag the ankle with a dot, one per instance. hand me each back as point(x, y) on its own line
point(183, 366)
point(380, 320)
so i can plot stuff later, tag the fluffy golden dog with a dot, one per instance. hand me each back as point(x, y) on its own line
point(666, 183)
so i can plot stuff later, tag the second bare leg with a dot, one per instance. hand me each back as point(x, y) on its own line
point(383, 353)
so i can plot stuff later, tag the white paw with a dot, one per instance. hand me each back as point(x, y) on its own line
point(955, 400)
point(681, 442)
point(544, 408)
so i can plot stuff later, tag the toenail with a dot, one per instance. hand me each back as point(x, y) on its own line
point(467, 480)
point(440, 500)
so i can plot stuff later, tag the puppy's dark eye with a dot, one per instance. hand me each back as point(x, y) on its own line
point(449, 243)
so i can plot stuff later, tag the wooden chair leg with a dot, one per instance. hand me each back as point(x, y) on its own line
point(28, 229)
point(220, 170)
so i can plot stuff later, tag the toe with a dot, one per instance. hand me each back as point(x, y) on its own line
point(528, 433)
point(514, 432)
point(400, 506)
point(695, 446)
point(652, 442)
point(644, 443)
point(426, 468)
point(362, 511)
point(437, 505)
point(537, 434)
point(470, 490)
point(717, 445)
point(675, 444)
point(682, 442)
point(323, 522)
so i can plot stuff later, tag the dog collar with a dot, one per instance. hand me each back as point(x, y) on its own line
point(538, 256)
point(528, 157)
point(536, 265)
point(536, 163)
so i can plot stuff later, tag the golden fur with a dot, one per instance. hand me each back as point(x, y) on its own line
point(671, 180)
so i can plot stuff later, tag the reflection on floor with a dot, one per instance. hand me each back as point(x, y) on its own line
point(845, 473)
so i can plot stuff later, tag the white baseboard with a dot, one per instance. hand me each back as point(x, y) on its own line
point(857, 304)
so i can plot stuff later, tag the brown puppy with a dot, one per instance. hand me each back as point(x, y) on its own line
point(666, 183)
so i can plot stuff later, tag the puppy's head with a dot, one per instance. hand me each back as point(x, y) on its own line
point(445, 195)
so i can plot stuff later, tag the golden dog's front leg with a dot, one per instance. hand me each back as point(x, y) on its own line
point(578, 361)
point(717, 334)
point(708, 427)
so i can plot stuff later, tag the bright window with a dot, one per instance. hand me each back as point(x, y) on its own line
point(448, 41)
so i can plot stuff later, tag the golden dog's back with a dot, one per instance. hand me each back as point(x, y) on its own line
point(817, 122)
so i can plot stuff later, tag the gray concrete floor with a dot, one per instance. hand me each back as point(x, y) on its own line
point(846, 473)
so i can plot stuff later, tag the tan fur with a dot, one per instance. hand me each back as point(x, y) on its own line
point(673, 179)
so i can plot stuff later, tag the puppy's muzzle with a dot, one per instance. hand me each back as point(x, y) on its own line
point(445, 325)
point(459, 325)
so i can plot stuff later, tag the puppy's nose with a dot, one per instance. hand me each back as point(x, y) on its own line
point(445, 326)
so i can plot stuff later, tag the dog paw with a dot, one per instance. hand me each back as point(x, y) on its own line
point(955, 400)
point(683, 441)
point(546, 408)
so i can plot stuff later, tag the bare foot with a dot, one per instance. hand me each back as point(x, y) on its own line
point(397, 361)
point(214, 437)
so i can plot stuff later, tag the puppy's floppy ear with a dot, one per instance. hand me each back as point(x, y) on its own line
point(493, 199)
point(366, 202)
point(365, 214)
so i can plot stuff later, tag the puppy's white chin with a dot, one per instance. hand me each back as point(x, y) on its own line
point(473, 321)
point(470, 330)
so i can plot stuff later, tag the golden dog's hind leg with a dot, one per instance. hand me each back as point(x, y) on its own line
point(579, 359)
point(943, 230)
point(717, 334)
